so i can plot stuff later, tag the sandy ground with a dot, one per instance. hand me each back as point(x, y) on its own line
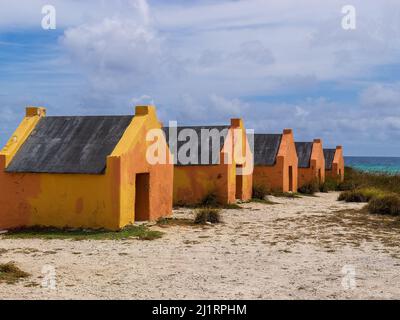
point(308, 248)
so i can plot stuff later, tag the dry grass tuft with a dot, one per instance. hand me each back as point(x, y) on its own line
point(140, 232)
point(309, 188)
point(260, 192)
point(389, 204)
point(208, 215)
point(10, 273)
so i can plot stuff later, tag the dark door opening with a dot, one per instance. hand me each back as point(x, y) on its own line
point(239, 183)
point(319, 176)
point(291, 178)
point(142, 197)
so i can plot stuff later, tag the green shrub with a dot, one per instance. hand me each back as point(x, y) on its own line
point(356, 179)
point(389, 204)
point(323, 187)
point(330, 184)
point(260, 192)
point(345, 186)
point(309, 188)
point(360, 195)
point(352, 196)
point(205, 215)
point(210, 200)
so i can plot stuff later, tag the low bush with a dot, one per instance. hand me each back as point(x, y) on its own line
point(205, 215)
point(330, 184)
point(309, 188)
point(260, 192)
point(345, 186)
point(10, 273)
point(360, 195)
point(388, 204)
point(352, 196)
point(210, 200)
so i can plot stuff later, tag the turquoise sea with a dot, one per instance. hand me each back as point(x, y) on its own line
point(374, 164)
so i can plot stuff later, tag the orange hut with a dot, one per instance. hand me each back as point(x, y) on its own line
point(311, 162)
point(275, 161)
point(210, 161)
point(334, 163)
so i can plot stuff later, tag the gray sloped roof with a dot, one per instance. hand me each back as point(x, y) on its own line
point(304, 150)
point(207, 151)
point(266, 147)
point(329, 155)
point(70, 145)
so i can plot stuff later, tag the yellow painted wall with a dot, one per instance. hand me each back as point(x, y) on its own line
point(84, 200)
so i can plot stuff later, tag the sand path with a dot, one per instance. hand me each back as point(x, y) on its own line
point(297, 249)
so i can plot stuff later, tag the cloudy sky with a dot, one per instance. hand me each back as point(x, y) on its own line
point(277, 64)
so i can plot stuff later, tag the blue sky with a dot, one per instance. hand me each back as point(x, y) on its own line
point(277, 64)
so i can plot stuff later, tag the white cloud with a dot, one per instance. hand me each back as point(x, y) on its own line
point(241, 47)
point(114, 49)
point(381, 96)
point(207, 61)
point(232, 107)
point(300, 112)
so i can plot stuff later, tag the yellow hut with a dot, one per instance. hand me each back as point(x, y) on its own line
point(84, 172)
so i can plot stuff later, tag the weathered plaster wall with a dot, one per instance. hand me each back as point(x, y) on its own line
point(193, 183)
point(83, 200)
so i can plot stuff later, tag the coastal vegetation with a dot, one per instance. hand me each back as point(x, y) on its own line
point(309, 188)
point(380, 190)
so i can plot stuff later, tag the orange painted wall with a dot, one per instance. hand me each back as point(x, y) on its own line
point(192, 183)
point(276, 177)
point(196, 182)
point(317, 166)
point(337, 171)
point(89, 201)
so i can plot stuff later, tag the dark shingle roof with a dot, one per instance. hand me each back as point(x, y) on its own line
point(304, 150)
point(70, 145)
point(329, 154)
point(266, 147)
point(210, 156)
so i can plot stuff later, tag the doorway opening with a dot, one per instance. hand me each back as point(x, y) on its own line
point(142, 197)
point(319, 176)
point(291, 178)
point(239, 183)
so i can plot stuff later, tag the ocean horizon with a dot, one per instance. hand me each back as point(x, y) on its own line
point(374, 164)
